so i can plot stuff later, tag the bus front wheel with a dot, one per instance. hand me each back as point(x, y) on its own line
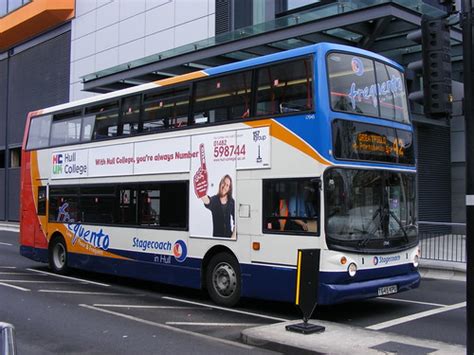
point(58, 256)
point(223, 279)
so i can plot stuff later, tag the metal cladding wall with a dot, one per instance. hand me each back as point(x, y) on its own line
point(223, 16)
point(2, 194)
point(3, 102)
point(34, 78)
point(13, 193)
point(38, 78)
point(3, 137)
point(434, 176)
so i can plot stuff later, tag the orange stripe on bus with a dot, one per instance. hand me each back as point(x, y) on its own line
point(285, 135)
point(178, 79)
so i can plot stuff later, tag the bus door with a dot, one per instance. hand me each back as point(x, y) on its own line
point(41, 215)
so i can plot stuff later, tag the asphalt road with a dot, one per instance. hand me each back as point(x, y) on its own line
point(92, 313)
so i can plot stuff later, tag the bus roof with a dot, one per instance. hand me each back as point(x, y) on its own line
point(248, 63)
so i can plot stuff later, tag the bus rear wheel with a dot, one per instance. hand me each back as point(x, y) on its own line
point(58, 256)
point(223, 280)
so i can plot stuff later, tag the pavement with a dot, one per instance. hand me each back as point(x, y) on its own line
point(344, 339)
point(10, 226)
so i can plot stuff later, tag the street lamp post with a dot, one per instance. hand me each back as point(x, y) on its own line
point(468, 44)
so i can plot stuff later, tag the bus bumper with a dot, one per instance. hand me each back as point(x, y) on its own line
point(338, 293)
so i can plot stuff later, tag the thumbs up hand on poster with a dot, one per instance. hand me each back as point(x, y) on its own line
point(200, 178)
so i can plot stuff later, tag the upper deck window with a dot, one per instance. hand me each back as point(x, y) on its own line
point(38, 135)
point(285, 87)
point(66, 128)
point(224, 98)
point(106, 119)
point(165, 109)
point(366, 87)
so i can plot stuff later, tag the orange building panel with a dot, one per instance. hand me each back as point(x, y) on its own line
point(33, 19)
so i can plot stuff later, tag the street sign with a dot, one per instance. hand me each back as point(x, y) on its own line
point(307, 284)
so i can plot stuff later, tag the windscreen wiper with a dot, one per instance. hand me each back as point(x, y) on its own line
point(402, 228)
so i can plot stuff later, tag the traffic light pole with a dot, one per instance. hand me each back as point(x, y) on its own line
point(467, 24)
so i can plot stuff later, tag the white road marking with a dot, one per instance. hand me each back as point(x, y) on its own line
point(14, 273)
point(410, 301)
point(90, 293)
point(144, 306)
point(15, 287)
point(37, 282)
point(415, 316)
point(164, 326)
point(7, 244)
point(216, 324)
point(68, 277)
point(227, 309)
point(7, 267)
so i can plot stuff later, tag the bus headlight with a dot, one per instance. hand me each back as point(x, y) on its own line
point(352, 269)
point(416, 260)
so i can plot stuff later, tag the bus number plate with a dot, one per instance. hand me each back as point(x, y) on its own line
point(387, 290)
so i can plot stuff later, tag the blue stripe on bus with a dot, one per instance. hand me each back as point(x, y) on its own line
point(36, 254)
point(186, 276)
point(258, 281)
point(297, 52)
point(279, 284)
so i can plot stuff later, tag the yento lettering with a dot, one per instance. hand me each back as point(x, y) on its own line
point(95, 238)
point(392, 87)
point(145, 245)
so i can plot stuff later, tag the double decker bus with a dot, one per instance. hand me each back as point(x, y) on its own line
point(215, 179)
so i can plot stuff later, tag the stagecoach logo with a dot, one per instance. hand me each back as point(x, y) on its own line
point(357, 66)
point(179, 248)
point(180, 251)
point(385, 259)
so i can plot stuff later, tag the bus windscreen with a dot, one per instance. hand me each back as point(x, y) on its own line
point(367, 87)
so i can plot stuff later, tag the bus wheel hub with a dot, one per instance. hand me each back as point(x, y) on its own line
point(224, 280)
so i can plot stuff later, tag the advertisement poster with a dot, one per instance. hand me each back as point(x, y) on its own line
point(256, 145)
point(113, 160)
point(69, 164)
point(163, 156)
point(212, 185)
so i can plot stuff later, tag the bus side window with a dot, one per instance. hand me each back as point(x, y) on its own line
point(291, 206)
point(63, 204)
point(106, 119)
point(165, 109)
point(285, 88)
point(130, 115)
point(41, 200)
point(127, 205)
point(223, 98)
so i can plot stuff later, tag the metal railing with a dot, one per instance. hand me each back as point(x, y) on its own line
point(443, 241)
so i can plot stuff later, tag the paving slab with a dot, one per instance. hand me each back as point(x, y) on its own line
point(342, 339)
